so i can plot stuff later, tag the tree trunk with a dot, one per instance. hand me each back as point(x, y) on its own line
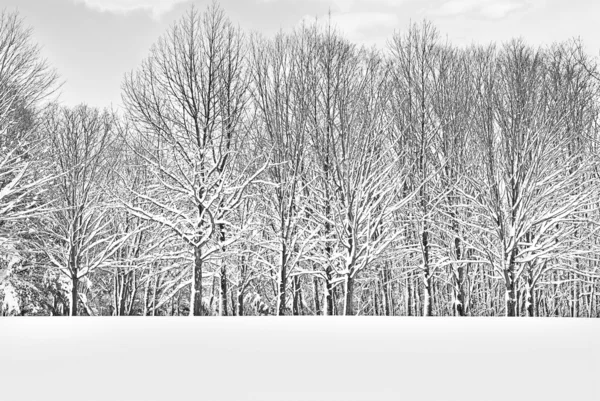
point(240, 302)
point(427, 297)
point(146, 286)
point(296, 296)
point(461, 307)
point(196, 297)
point(380, 288)
point(316, 297)
point(409, 298)
point(427, 290)
point(530, 294)
point(223, 306)
point(241, 287)
point(74, 295)
point(282, 281)
point(329, 292)
point(530, 301)
point(154, 292)
point(511, 293)
point(349, 295)
point(385, 298)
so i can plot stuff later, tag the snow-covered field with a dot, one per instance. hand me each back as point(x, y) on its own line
point(303, 359)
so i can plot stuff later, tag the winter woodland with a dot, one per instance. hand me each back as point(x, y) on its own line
point(302, 174)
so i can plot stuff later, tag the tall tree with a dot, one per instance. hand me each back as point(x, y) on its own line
point(530, 197)
point(413, 57)
point(77, 238)
point(186, 107)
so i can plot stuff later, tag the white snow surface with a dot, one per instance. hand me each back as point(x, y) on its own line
point(299, 359)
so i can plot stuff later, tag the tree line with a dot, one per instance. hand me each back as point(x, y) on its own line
point(302, 174)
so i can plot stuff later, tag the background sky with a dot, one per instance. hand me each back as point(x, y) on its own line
point(93, 43)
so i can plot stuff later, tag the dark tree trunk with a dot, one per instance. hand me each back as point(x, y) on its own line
point(241, 287)
point(329, 296)
point(223, 290)
point(511, 294)
point(461, 307)
point(427, 290)
point(296, 296)
point(223, 306)
point(74, 295)
point(410, 299)
point(240, 302)
point(511, 287)
point(282, 281)
point(197, 283)
point(530, 294)
point(316, 296)
point(349, 296)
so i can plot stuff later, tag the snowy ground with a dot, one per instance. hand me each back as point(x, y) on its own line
point(303, 359)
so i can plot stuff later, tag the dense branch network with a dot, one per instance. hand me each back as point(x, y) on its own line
point(304, 174)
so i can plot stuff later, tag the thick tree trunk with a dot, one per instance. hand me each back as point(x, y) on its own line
point(240, 302)
point(349, 295)
point(530, 301)
point(461, 307)
point(318, 310)
point(511, 296)
point(74, 295)
point(511, 286)
point(196, 296)
point(329, 296)
point(298, 296)
point(530, 294)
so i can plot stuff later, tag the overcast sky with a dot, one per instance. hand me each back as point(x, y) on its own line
point(92, 43)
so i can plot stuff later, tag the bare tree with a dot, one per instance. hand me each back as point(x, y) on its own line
point(25, 80)
point(530, 198)
point(77, 236)
point(281, 86)
point(413, 57)
point(186, 107)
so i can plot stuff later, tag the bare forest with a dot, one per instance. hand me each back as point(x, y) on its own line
point(303, 174)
